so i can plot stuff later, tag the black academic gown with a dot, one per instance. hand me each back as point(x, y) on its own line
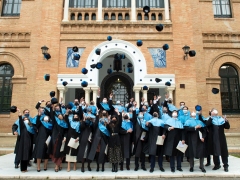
point(41, 148)
point(137, 132)
point(165, 104)
point(171, 141)
point(217, 143)
point(101, 138)
point(24, 150)
point(14, 129)
point(196, 148)
point(38, 105)
point(110, 104)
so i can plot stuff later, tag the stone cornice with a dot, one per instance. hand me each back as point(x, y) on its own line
point(15, 36)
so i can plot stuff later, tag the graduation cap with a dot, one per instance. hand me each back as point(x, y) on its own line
point(165, 47)
point(192, 53)
point(76, 56)
point(129, 65)
point(215, 90)
point(99, 65)
point(139, 42)
point(13, 109)
point(47, 77)
point(64, 83)
point(93, 66)
point(70, 105)
point(47, 56)
point(168, 83)
point(109, 71)
point(54, 100)
point(84, 84)
point(130, 69)
point(52, 94)
point(145, 88)
point(84, 71)
point(159, 27)
point(198, 108)
point(109, 38)
point(98, 51)
point(158, 80)
point(75, 49)
point(146, 9)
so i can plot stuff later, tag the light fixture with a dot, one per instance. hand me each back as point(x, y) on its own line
point(186, 50)
point(46, 55)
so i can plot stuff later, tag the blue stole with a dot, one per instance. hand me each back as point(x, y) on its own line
point(193, 123)
point(160, 110)
point(171, 107)
point(61, 123)
point(105, 106)
point(119, 107)
point(137, 111)
point(125, 109)
point(174, 123)
point(165, 117)
point(89, 115)
point(147, 116)
point(29, 128)
point(205, 119)
point(74, 124)
point(74, 108)
point(94, 109)
point(142, 123)
point(46, 108)
point(156, 122)
point(63, 110)
point(183, 118)
point(148, 110)
point(218, 121)
point(127, 125)
point(103, 129)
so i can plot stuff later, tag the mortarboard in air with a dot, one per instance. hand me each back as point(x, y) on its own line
point(168, 83)
point(52, 94)
point(145, 88)
point(64, 83)
point(158, 80)
point(109, 71)
point(47, 77)
point(165, 47)
point(13, 109)
point(129, 65)
point(93, 66)
point(84, 71)
point(139, 42)
point(84, 84)
point(109, 38)
point(98, 51)
point(54, 100)
point(192, 53)
point(159, 27)
point(215, 90)
point(70, 105)
point(99, 65)
point(76, 56)
point(198, 108)
point(75, 49)
point(47, 56)
point(146, 9)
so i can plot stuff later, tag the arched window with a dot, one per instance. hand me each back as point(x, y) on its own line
point(146, 17)
point(153, 17)
point(80, 16)
point(93, 16)
point(127, 17)
point(106, 16)
point(229, 89)
point(86, 17)
point(113, 16)
point(72, 16)
point(159, 16)
point(120, 17)
point(6, 74)
point(139, 16)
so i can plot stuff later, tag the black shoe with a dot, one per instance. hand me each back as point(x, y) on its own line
point(89, 168)
point(121, 167)
point(82, 169)
point(136, 169)
point(16, 166)
point(161, 169)
point(226, 169)
point(172, 170)
point(45, 169)
point(128, 168)
point(208, 164)
point(113, 167)
point(97, 169)
point(116, 167)
point(179, 169)
point(151, 170)
point(191, 169)
point(143, 168)
point(38, 170)
point(103, 169)
point(216, 167)
point(203, 170)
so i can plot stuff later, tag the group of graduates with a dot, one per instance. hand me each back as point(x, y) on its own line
point(79, 132)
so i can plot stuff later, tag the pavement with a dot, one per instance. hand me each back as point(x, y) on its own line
point(7, 171)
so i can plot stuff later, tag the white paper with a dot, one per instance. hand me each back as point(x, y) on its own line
point(90, 137)
point(180, 144)
point(71, 158)
point(62, 147)
point(200, 134)
point(73, 144)
point(182, 147)
point(143, 135)
point(48, 140)
point(106, 149)
point(160, 140)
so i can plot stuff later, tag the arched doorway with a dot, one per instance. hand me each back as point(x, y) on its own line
point(230, 95)
point(120, 84)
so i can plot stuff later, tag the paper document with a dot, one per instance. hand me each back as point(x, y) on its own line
point(71, 158)
point(182, 147)
point(48, 140)
point(143, 135)
point(200, 134)
point(90, 137)
point(106, 150)
point(73, 144)
point(62, 147)
point(160, 140)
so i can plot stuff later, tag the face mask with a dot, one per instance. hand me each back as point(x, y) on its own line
point(143, 109)
point(114, 121)
point(76, 103)
point(26, 115)
point(174, 115)
point(164, 111)
point(75, 119)
point(45, 118)
point(146, 104)
point(63, 106)
point(185, 111)
point(126, 117)
point(57, 110)
point(26, 121)
point(193, 115)
point(104, 101)
point(182, 107)
point(104, 114)
point(49, 105)
point(140, 116)
point(42, 112)
point(155, 115)
point(197, 112)
point(170, 101)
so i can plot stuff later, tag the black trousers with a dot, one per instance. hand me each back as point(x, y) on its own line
point(142, 159)
point(160, 161)
point(16, 161)
point(172, 162)
point(24, 164)
point(216, 161)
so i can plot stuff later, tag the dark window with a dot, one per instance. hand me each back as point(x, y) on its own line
point(106, 16)
point(150, 3)
point(222, 9)
point(139, 16)
point(86, 17)
point(93, 16)
point(116, 3)
point(127, 17)
point(159, 16)
point(120, 17)
point(83, 3)
point(113, 16)
point(229, 89)
point(146, 17)
point(79, 16)
point(11, 7)
point(153, 17)
point(6, 74)
point(72, 16)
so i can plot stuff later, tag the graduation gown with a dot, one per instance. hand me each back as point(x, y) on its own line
point(14, 129)
point(100, 107)
point(217, 143)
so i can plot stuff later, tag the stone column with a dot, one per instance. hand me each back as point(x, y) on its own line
point(95, 93)
point(166, 9)
point(99, 17)
point(133, 11)
point(137, 90)
point(66, 6)
point(87, 94)
point(62, 93)
point(170, 91)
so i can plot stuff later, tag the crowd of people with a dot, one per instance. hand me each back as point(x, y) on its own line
point(79, 132)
